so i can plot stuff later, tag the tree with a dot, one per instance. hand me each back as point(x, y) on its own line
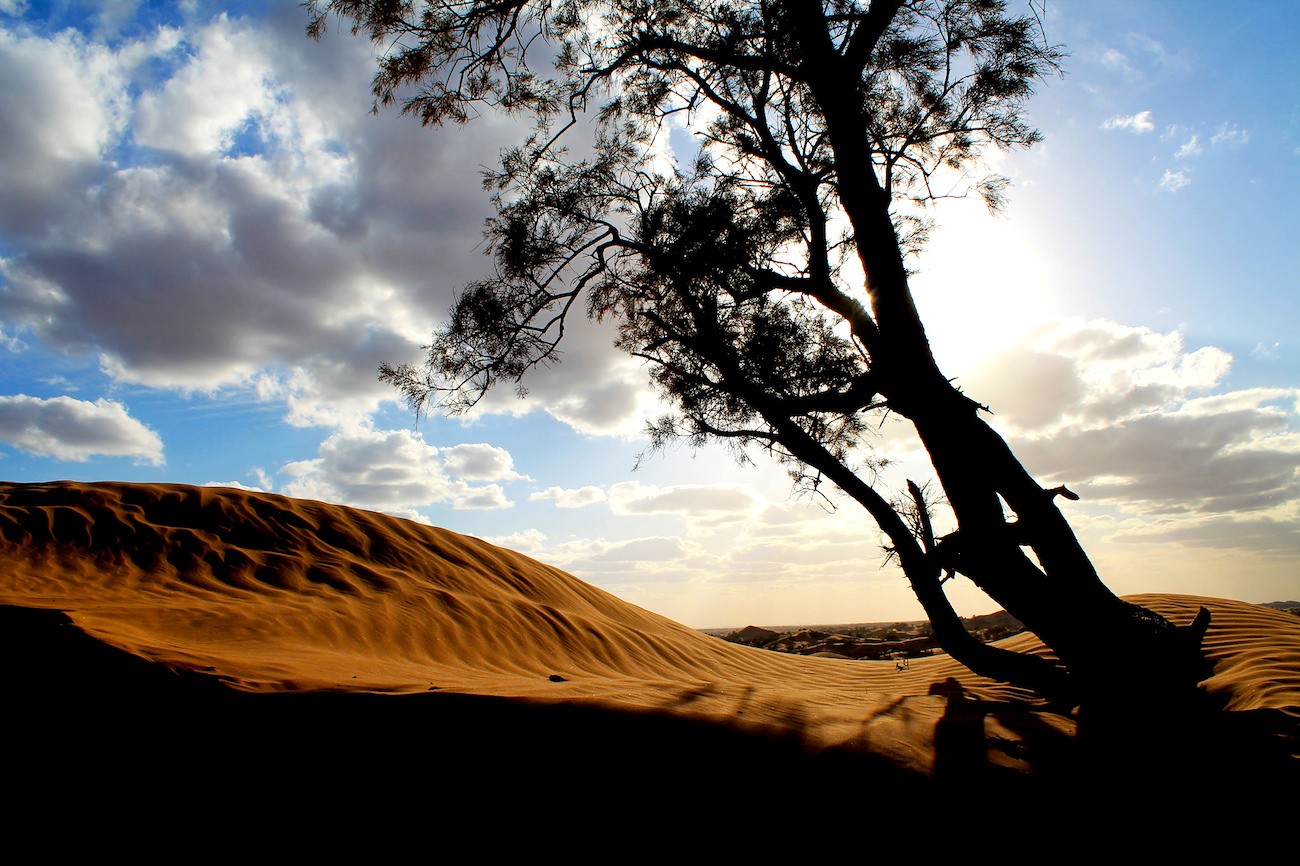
point(827, 127)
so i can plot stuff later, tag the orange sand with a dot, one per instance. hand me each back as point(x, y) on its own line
point(275, 595)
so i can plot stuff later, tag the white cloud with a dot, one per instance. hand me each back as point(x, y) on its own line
point(1157, 52)
point(1124, 415)
point(528, 541)
point(242, 223)
point(1174, 180)
point(1190, 459)
point(1089, 374)
point(12, 344)
point(1230, 135)
point(226, 88)
point(1190, 148)
point(714, 503)
point(570, 498)
point(1115, 59)
point(386, 470)
point(479, 462)
point(594, 389)
point(633, 560)
point(1229, 532)
point(69, 429)
point(1139, 123)
point(62, 104)
point(487, 498)
point(235, 484)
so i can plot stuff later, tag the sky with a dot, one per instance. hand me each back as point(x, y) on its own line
point(208, 244)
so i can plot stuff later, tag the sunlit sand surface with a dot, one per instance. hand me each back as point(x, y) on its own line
point(265, 594)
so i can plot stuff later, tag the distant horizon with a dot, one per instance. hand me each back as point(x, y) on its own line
point(208, 245)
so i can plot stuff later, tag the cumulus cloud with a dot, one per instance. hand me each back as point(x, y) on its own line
point(1261, 533)
point(214, 208)
point(633, 560)
point(1115, 59)
point(570, 498)
point(1139, 123)
point(1123, 415)
point(1174, 180)
point(594, 388)
point(385, 470)
point(480, 462)
point(711, 503)
point(235, 484)
point(241, 221)
point(707, 505)
point(226, 90)
point(1190, 148)
point(69, 429)
point(1088, 374)
point(527, 541)
point(1230, 458)
point(1229, 135)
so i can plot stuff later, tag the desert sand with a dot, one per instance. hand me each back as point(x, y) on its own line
point(151, 627)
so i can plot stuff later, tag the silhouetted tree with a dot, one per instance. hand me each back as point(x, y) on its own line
point(825, 125)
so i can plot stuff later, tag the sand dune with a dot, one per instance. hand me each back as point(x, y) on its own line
point(275, 595)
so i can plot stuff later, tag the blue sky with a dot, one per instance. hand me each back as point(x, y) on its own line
point(208, 244)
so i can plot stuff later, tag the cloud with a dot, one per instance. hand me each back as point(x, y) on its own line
point(712, 503)
point(630, 561)
point(594, 388)
point(1115, 59)
point(1139, 123)
point(69, 429)
point(1088, 374)
point(1237, 456)
point(1125, 415)
point(235, 484)
point(1227, 532)
point(1144, 55)
point(528, 541)
point(479, 462)
point(1229, 135)
point(1157, 52)
point(1190, 148)
point(570, 498)
point(1174, 180)
point(217, 210)
point(63, 103)
point(385, 470)
point(12, 344)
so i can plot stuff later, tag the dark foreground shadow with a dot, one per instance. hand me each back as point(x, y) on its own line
point(93, 733)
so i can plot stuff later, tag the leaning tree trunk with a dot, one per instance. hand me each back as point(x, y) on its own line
point(1108, 646)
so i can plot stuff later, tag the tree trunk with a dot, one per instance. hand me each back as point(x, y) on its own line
point(1108, 645)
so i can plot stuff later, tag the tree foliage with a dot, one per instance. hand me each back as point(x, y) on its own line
point(764, 280)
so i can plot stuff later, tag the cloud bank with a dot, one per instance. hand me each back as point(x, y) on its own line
point(76, 430)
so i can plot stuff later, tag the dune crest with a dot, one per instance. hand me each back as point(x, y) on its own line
point(273, 594)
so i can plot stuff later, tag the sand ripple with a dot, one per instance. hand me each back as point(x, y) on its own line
point(277, 594)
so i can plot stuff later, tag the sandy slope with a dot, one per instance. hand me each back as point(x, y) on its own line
point(279, 595)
